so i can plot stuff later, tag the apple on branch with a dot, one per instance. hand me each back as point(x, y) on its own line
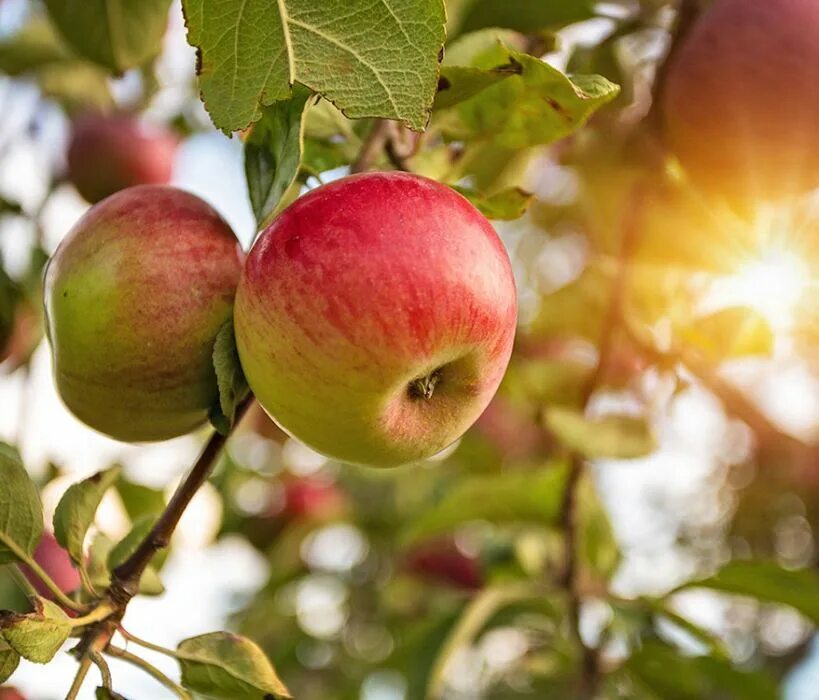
point(375, 318)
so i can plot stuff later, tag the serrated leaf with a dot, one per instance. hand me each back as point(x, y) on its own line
point(535, 106)
point(769, 582)
point(150, 583)
point(21, 512)
point(506, 205)
point(500, 498)
point(273, 152)
point(673, 676)
point(615, 437)
point(117, 34)
point(730, 333)
point(9, 660)
point(230, 378)
point(36, 636)
point(77, 509)
point(460, 83)
point(369, 59)
point(224, 665)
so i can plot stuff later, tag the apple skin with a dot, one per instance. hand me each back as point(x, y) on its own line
point(110, 152)
point(57, 564)
point(9, 693)
point(741, 102)
point(359, 293)
point(135, 296)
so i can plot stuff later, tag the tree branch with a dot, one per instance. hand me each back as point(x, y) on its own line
point(372, 147)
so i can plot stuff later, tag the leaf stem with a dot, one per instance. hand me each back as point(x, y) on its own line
point(38, 571)
point(82, 672)
point(21, 580)
point(105, 671)
point(151, 670)
point(147, 645)
point(98, 614)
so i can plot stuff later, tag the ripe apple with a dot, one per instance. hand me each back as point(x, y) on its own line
point(442, 561)
point(9, 693)
point(375, 318)
point(135, 296)
point(312, 499)
point(109, 152)
point(57, 564)
point(741, 104)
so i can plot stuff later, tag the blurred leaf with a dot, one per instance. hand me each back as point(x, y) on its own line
point(36, 636)
point(273, 152)
point(97, 564)
point(9, 660)
point(21, 513)
point(673, 676)
point(140, 500)
point(523, 15)
point(370, 60)
point(615, 437)
point(34, 46)
point(117, 34)
point(459, 83)
point(597, 549)
point(578, 307)
point(769, 582)
point(76, 85)
point(224, 665)
point(467, 48)
point(499, 498)
point(77, 509)
point(9, 294)
point(230, 378)
point(537, 105)
point(150, 583)
point(729, 333)
point(505, 205)
point(8, 206)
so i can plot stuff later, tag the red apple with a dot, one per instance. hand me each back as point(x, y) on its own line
point(312, 499)
point(135, 296)
point(375, 318)
point(9, 693)
point(57, 564)
point(442, 561)
point(108, 153)
point(741, 102)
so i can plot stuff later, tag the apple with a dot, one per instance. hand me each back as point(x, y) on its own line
point(741, 104)
point(135, 296)
point(57, 564)
point(109, 152)
point(312, 499)
point(442, 561)
point(375, 318)
point(9, 693)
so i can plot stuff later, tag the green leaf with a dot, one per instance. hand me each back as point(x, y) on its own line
point(140, 500)
point(767, 581)
point(150, 583)
point(369, 59)
point(97, 564)
point(597, 549)
point(230, 378)
point(117, 34)
point(673, 676)
point(460, 83)
point(34, 46)
point(273, 152)
point(77, 509)
point(616, 437)
point(76, 85)
point(730, 333)
point(21, 513)
point(9, 660)
point(506, 205)
point(36, 636)
point(105, 694)
point(224, 665)
point(523, 15)
point(536, 106)
point(499, 498)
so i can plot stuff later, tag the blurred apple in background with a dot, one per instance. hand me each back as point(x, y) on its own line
point(741, 113)
point(8, 693)
point(109, 152)
point(375, 318)
point(135, 296)
point(442, 561)
point(57, 564)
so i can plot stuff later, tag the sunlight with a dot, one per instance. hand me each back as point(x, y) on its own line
point(773, 284)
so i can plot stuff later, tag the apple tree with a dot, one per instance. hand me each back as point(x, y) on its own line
point(512, 388)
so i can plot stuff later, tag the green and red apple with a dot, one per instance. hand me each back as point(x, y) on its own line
point(375, 318)
point(110, 152)
point(741, 101)
point(135, 296)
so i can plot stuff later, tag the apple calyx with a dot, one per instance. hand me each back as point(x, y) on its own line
point(424, 387)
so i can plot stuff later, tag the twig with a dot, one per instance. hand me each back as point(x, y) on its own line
point(372, 147)
point(102, 665)
point(82, 672)
point(151, 670)
point(125, 578)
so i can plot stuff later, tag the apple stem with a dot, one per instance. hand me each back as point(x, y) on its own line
point(424, 387)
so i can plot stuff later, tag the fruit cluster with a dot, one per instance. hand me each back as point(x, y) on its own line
point(374, 318)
